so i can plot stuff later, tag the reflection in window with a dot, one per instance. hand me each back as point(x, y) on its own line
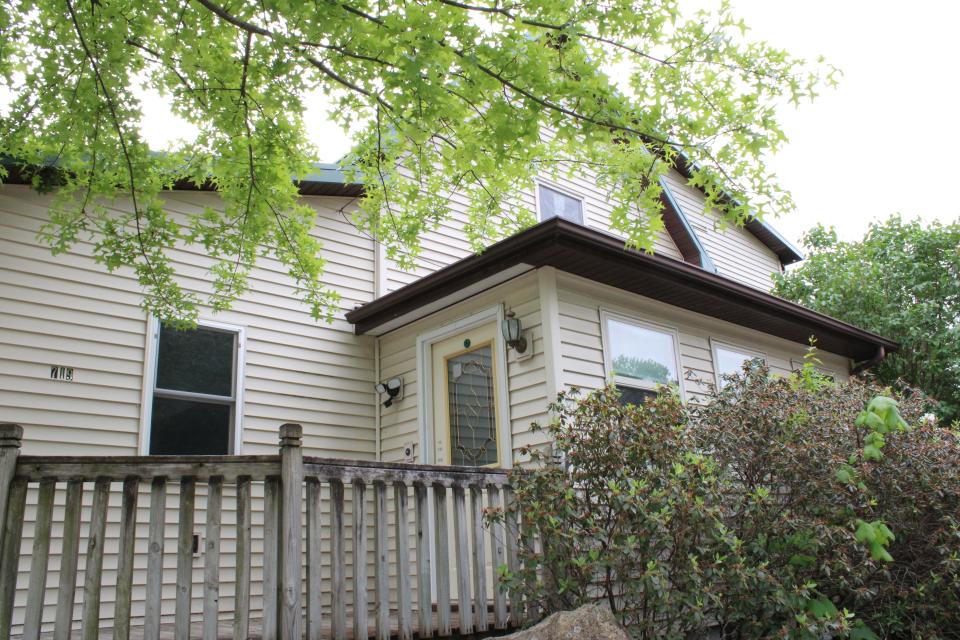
point(730, 361)
point(641, 356)
point(193, 397)
point(554, 204)
point(473, 428)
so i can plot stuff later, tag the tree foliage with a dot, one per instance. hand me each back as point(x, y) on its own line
point(642, 369)
point(445, 95)
point(901, 281)
point(735, 514)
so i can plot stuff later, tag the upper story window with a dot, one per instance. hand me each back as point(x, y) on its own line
point(728, 360)
point(639, 357)
point(552, 203)
point(194, 404)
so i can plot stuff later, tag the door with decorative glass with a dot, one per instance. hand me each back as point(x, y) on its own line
point(465, 420)
point(465, 399)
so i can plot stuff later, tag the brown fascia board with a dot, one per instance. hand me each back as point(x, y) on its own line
point(678, 233)
point(603, 258)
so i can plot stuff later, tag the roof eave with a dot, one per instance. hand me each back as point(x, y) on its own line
point(568, 247)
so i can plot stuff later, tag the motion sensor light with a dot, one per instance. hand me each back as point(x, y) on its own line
point(392, 388)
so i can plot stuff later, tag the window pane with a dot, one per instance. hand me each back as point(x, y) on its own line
point(473, 428)
point(643, 354)
point(188, 427)
point(730, 362)
point(554, 204)
point(633, 395)
point(198, 360)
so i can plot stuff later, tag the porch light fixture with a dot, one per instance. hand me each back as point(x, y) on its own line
point(513, 332)
point(392, 388)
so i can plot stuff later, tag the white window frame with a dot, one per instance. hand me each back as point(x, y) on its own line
point(716, 345)
point(605, 316)
point(150, 377)
point(540, 182)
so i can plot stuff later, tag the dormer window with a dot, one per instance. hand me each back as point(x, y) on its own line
point(552, 203)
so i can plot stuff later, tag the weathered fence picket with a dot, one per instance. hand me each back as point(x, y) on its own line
point(310, 529)
point(401, 532)
point(152, 605)
point(188, 487)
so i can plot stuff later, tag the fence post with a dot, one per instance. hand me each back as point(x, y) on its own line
point(291, 530)
point(11, 435)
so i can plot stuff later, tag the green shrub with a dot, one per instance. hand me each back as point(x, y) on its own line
point(763, 513)
point(633, 517)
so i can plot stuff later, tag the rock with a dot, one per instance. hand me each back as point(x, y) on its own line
point(589, 622)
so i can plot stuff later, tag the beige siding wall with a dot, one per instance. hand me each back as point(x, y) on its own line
point(735, 251)
point(448, 243)
point(67, 310)
point(526, 379)
point(582, 361)
point(597, 205)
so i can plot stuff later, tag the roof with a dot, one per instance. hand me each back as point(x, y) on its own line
point(324, 180)
point(602, 257)
point(785, 251)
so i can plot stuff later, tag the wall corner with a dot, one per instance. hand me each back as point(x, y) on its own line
point(550, 324)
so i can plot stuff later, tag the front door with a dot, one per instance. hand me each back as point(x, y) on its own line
point(465, 399)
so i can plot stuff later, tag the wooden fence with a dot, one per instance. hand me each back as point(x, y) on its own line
point(433, 558)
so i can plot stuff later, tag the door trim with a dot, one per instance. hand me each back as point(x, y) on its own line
point(425, 342)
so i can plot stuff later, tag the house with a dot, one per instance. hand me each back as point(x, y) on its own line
point(415, 369)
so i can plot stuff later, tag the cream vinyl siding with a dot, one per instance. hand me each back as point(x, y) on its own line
point(582, 361)
point(67, 310)
point(597, 206)
point(735, 251)
point(580, 179)
point(526, 379)
point(447, 243)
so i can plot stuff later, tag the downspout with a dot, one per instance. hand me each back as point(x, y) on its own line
point(379, 289)
point(376, 396)
point(867, 364)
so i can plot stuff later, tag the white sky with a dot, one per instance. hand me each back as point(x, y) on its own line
point(872, 147)
point(881, 142)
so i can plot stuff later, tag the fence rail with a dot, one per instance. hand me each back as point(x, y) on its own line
point(417, 532)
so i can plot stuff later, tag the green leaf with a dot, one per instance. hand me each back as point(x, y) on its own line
point(822, 608)
point(861, 631)
point(437, 100)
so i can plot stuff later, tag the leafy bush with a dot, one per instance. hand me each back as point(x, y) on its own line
point(635, 518)
point(764, 513)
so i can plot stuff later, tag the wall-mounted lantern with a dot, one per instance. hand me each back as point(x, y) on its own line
point(512, 331)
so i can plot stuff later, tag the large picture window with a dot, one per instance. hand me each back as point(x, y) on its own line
point(194, 404)
point(639, 357)
point(556, 204)
point(728, 360)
